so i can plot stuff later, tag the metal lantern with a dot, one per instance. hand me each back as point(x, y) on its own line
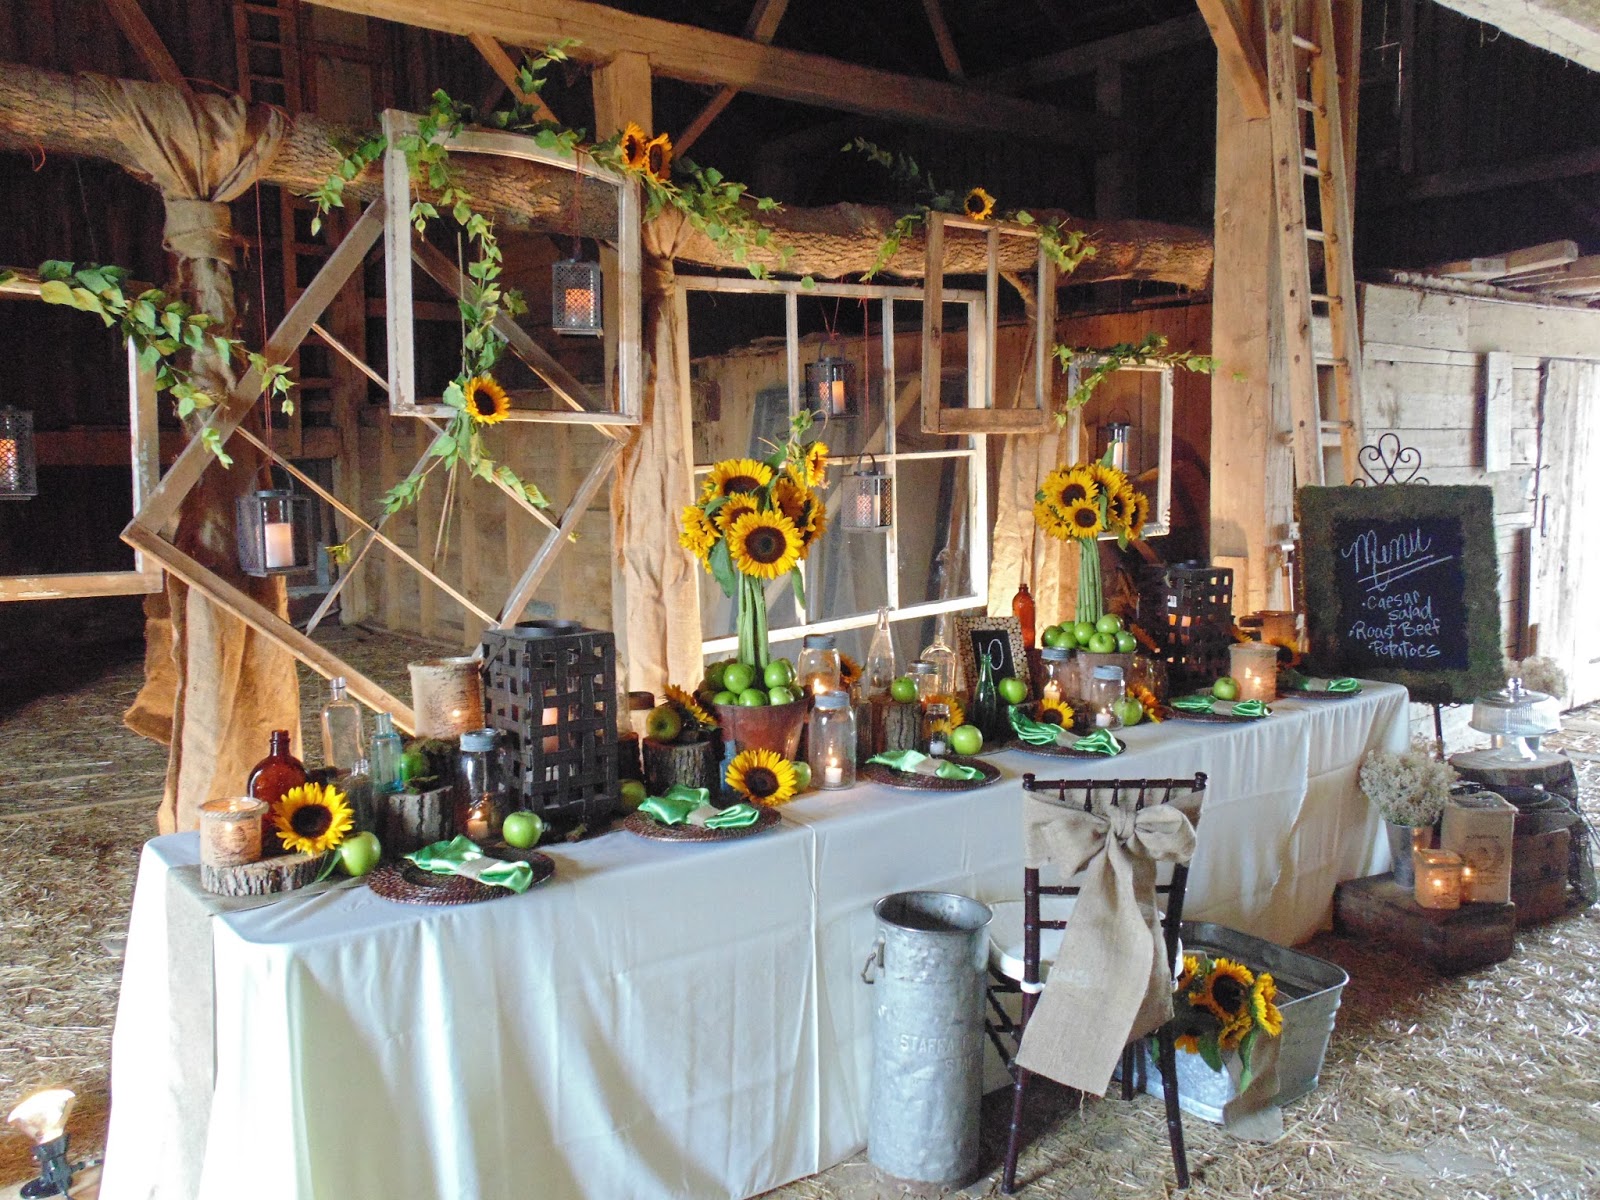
point(868, 501)
point(575, 298)
point(1119, 435)
point(831, 385)
point(274, 532)
point(19, 476)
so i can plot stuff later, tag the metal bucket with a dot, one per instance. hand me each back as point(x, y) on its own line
point(927, 1036)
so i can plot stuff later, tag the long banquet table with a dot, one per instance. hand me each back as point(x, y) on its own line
point(660, 1020)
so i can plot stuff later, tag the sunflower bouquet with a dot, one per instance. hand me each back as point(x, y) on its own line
point(1080, 503)
point(1223, 1007)
point(755, 521)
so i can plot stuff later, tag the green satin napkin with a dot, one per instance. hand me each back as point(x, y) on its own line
point(1250, 708)
point(735, 816)
point(461, 856)
point(674, 807)
point(913, 762)
point(1035, 733)
point(1098, 742)
point(1194, 704)
point(1344, 685)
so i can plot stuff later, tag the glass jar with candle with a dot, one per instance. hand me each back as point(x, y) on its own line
point(819, 667)
point(1438, 878)
point(926, 677)
point(1059, 680)
point(832, 741)
point(935, 722)
point(1106, 687)
point(480, 799)
point(1255, 666)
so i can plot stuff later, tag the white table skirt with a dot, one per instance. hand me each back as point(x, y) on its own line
point(659, 1020)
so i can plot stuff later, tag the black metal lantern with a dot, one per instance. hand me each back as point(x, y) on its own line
point(831, 385)
point(19, 476)
point(274, 532)
point(43, 1118)
point(575, 298)
point(867, 505)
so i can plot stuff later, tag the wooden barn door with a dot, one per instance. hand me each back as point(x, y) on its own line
point(1566, 570)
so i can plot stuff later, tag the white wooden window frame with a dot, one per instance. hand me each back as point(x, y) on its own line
point(1160, 522)
point(144, 456)
point(974, 451)
point(401, 247)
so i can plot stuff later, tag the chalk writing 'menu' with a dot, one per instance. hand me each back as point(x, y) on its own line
point(1379, 562)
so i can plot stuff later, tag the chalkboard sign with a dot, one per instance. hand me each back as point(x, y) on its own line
point(998, 639)
point(1401, 584)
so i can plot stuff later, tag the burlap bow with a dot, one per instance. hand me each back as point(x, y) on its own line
point(1110, 981)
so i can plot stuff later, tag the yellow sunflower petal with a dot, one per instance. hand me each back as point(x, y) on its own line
point(696, 533)
point(958, 715)
point(817, 465)
point(1262, 1006)
point(735, 475)
point(736, 506)
point(1141, 514)
point(763, 777)
point(689, 708)
point(1054, 711)
point(658, 158)
point(487, 402)
point(764, 545)
point(1083, 519)
point(631, 147)
point(311, 818)
point(979, 204)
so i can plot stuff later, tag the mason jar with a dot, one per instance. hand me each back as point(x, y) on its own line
point(832, 741)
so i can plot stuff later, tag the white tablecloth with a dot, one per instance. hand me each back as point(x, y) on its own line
point(660, 1020)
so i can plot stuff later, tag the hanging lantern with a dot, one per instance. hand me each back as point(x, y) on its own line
point(868, 502)
point(831, 384)
point(575, 298)
point(19, 477)
point(1119, 435)
point(274, 531)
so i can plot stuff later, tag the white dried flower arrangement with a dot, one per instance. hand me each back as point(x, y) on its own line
point(1409, 788)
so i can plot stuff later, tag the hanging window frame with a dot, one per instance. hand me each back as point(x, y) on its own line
point(401, 246)
point(1160, 522)
point(974, 449)
point(144, 456)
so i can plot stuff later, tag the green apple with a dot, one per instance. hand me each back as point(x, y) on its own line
point(1226, 688)
point(523, 829)
point(359, 853)
point(725, 697)
point(1126, 642)
point(1012, 690)
point(736, 677)
point(1102, 643)
point(1083, 631)
point(714, 675)
point(802, 775)
point(633, 794)
point(778, 673)
point(1129, 711)
point(1109, 623)
point(966, 739)
point(413, 765)
point(663, 723)
point(782, 695)
point(1056, 636)
point(752, 697)
point(904, 689)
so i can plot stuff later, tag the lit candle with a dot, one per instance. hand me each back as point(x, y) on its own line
point(478, 822)
point(833, 773)
point(280, 544)
point(580, 306)
point(1052, 691)
point(552, 742)
point(230, 831)
point(836, 396)
point(10, 466)
point(1255, 666)
point(1438, 878)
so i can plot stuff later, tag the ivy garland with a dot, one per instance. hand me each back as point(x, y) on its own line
point(1150, 351)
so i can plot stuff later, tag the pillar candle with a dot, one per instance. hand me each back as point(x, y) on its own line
point(279, 544)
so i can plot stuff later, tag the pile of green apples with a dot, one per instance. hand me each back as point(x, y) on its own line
point(1105, 636)
point(734, 682)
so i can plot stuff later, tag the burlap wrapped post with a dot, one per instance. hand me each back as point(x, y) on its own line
point(1110, 982)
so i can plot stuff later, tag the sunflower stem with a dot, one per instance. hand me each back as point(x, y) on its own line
point(1090, 592)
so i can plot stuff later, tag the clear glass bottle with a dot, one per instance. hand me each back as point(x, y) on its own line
point(832, 741)
point(342, 741)
point(270, 779)
point(480, 797)
point(879, 672)
point(819, 667)
point(383, 756)
point(939, 653)
point(935, 722)
point(1022, 608)
point(1106, 687)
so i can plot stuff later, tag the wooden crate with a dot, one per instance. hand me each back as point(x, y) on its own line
point(1539, 863)
point(1449, 941)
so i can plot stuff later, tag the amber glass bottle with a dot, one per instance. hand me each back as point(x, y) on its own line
point(1022, 609)
point(270, 779)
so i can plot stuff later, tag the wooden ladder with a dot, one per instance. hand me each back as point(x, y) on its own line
point(1302, 82)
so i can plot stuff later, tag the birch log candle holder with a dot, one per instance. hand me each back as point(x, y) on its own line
point(447, 696)
point(230, 831)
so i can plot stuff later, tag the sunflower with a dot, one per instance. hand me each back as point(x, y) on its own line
point(849, 672)
point(764, 545)
point(762, 777)
point(698, 534)
point(1065, 486)
point(1263, 1007)
point(689, 708)
point(1109, 479)
point(736, 506)
point(486, 401)
point(658, 158)
point(816, 464)
point(1119, 506)
point(1191, 968)
point(791, 498)
point(1083, 520)
point(1225, 991)
point(733, 475)
point(1055, 711)
point(311, 819)
point(1141, 514)
point(632, 147)
point(1187, 1041)
point(958, 715)
point(1050, 519)
point(813, 525)
point(1234, 1032)
point(1147, 700)
point(978, 205)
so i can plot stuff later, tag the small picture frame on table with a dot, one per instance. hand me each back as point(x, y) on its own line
point(999, 639)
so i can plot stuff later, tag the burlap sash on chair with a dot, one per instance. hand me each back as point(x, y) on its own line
point(1109, 982)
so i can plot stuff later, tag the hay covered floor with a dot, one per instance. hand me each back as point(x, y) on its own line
point(1486, 1085)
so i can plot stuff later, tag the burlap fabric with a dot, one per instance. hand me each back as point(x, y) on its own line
point(1110, 981)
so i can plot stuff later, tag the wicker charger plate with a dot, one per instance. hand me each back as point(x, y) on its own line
point(1321, 693)
point(1055, 751)
point(409, 884)
point(879, 773)
point(648, 827)
point(1168, 713)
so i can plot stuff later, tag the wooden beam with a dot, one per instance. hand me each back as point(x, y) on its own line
point(762, 26)
point(941, 36)
point(146, 42)
point(1088, 58)
point(1531, 259)
point(700, 56)
point(1469, 181)
point(1239, 53)
point(500, 63)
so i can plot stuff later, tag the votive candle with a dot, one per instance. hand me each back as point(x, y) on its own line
point(230, 831)
point(279, 544)
point(1438, 878)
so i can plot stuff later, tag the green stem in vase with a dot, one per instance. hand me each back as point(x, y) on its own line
point(1091, 597)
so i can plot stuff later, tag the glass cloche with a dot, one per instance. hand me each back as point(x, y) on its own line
point(1514, 714)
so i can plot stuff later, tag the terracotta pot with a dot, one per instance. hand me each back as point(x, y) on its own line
point(764, 727)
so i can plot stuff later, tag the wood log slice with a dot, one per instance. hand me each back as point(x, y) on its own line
point(902, 726)
point(692, 764)
point(412, 820)
point(281, 873)
point(869, 727)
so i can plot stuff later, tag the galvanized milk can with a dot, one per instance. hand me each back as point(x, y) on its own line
point(927, 1036)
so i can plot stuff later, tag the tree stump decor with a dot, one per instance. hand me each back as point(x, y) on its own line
point(408, 821)
point(902, 725)
point(283, 873)
point(692, 764)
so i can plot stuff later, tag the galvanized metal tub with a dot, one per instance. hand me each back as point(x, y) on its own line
point(1309, 991)
point(927, 1045)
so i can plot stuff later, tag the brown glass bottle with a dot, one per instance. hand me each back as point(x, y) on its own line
point(270, 779)
point(1022, 609)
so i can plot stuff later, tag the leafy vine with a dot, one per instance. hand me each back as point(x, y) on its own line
point(1151, 350)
